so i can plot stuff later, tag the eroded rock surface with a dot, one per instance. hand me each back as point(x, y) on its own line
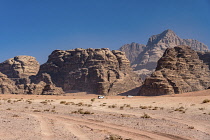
point(179, 70)
point(132, 51)
point(99, 71)
point(20, 67)
point(19, 76)
point(147, 57)
point(7, 86)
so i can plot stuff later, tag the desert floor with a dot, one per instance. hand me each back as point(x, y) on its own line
point(78, 116)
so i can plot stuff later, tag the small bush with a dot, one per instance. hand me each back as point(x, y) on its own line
point(145, 116)
point(93, 99)
point(62, 102)
point(37, 110)
point(143, 107)
point(206, 101)
point(15, 115)
point(191, 127)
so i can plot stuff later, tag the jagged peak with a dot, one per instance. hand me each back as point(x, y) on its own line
point(154, 39)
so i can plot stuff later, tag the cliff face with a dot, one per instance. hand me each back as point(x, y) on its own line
point(20, 67)
point(179, 70)
point(18, 75)
point(100, 71)
point(156, 46)
point(132, 51)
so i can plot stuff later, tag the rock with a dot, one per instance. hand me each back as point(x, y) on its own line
point(43, 85)
point(20, 67)
point(157, 44)
point(179, 70)
point(99, 71)
point(205, 56)
point(7, 86)
point(132, 51)
point(20, 77)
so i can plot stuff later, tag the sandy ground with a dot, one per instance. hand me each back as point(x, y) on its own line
point(79, 116)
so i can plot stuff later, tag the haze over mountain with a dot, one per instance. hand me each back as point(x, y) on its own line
point(144, 57)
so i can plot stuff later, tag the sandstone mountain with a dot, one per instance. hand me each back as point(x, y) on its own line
point(20, 67)
point(18, 75)
point(179, 70)
point(146, 60)
point(99, 71)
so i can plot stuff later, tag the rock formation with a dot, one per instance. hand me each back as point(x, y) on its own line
point(179, 70)
point(132, 51)
point(205, 56)
point(99, 71)
point(157, 44)
point(7, 86)
point(18, 75)
point(20, 67)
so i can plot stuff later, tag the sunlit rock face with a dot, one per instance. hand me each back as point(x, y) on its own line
point(99, 71)
point(179, 70)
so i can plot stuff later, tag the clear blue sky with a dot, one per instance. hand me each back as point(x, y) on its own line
point(37, 27)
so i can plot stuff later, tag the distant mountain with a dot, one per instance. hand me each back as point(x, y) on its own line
point(146, 60)
point(132, 51)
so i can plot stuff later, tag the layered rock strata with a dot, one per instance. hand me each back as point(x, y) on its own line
point(179, 70)
point(99, 71)
point(19, 76)
point(146, 58)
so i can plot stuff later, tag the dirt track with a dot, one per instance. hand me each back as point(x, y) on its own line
point(45, 117)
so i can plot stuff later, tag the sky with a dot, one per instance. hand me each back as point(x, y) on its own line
point(37, 27)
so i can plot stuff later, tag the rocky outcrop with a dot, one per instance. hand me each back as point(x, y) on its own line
point(99, 71)
point(132, 51)
point(7, 86)
point(157, 44)
point(205, 56)
point(20, 67)
point(179, 70)
point(19, 76)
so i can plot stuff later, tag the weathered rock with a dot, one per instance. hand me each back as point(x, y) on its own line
point(7, 86)
point(132, 51)
point(205, 56)
point(20, 67)
point(99, 71)
point(157, 44)
point(43, 85)
point(179, 70)
point(20, 77)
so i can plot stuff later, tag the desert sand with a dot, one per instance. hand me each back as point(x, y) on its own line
point(81, 116)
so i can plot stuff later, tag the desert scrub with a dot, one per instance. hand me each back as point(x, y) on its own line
point(145, 116)
point(44, 102)
point(81, 111)
point(122, 107)
point(112, 106)
point(143, 107)
point(114, 137)
point(37, 111)
point(15, 115)
point(93, 99)
point(191, 127)
point(206, 101)
point(8, 109)
point(62, 102)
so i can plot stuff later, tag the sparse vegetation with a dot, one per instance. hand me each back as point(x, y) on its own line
point(93, 99)
point(191, 127)
point(62, 102)
point(206, 101)
point(145, 116)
